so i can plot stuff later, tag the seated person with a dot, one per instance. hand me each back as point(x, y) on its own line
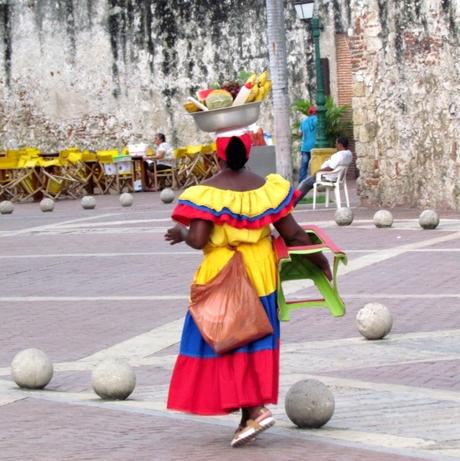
point(343, 157)
point(162, 154)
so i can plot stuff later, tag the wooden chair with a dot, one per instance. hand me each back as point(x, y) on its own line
point(164, 177)
point(192, 165)
point(51, 176)
point(63, 175)
point(180, 154)
point(108, 180)
point(8, 164)
point(10, 179)
point(210, 160)
point(28, 182)
point(125, 173)
point(93, 172)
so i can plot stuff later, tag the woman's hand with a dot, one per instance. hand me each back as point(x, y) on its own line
point(176, 234)
point(294, 235)
point(319, 260)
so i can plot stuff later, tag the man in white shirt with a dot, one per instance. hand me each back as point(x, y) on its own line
point(343, 157)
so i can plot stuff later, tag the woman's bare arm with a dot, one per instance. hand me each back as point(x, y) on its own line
point(197, 236)
point(160, 154)
point(291, 232)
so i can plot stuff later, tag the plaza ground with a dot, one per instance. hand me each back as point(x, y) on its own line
point(83, 285)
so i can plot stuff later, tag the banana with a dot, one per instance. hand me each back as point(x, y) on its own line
point(252, 78)
point(267, 86)
point(264, 90)
point(261, 94)
point(262, 78)
point(253, 94)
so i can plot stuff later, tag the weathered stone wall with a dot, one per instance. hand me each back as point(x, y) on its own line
point(101, 73)
point(406, 101)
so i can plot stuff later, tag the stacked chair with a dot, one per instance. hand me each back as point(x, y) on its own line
point(29, 174)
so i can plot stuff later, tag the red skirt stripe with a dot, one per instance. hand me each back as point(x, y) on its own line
point(217, 386)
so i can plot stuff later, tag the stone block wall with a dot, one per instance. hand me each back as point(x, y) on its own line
point(102, 73)
point(405, 57)
point(345, 90)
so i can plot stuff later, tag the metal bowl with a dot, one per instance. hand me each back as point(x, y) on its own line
point(227, 118)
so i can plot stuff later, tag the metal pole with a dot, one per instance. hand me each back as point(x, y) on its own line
point(321, 140)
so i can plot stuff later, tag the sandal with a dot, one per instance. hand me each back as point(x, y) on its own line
point(240, 428)
point(252, 428)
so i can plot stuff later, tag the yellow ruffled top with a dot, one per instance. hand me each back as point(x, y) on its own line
point(242, 221)
point(249, 209)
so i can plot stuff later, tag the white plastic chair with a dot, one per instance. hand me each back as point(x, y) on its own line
point(335, 184)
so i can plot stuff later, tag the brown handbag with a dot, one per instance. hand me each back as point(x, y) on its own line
point(227, 310)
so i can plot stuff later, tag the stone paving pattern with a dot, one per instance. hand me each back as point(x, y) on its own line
point(68, 289)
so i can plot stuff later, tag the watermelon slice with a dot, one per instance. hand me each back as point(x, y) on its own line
point(201, 95)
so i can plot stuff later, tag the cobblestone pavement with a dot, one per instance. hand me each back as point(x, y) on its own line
point(83, 285)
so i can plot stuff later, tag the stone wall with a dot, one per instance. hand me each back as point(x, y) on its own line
point(406, 109)
point(101, 73)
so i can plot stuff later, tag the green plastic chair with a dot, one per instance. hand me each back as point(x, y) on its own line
point(292, 265)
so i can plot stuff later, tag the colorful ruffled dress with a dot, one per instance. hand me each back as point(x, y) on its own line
point(204, 382)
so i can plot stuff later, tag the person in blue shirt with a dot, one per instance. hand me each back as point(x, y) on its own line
point(307, 129)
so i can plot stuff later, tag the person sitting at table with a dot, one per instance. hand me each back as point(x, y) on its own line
point(163, 155)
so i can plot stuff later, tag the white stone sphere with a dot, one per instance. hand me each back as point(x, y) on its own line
point(374, 321)
point(88, 202)
point(126, 199)
point(383, 218)
point(47, 204)
point(343, 216)
point(113, 379)
point(6, 207)
point(167, 195)
point(428, 219)
point(32, 369)
point(309, 403)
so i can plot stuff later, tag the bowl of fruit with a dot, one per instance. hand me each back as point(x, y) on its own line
point(231, 105)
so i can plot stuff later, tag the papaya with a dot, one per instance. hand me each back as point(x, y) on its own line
point(218, 99)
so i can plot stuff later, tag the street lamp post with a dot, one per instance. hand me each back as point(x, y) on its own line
point(305, 11)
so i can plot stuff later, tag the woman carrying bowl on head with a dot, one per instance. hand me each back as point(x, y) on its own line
point(230, 213)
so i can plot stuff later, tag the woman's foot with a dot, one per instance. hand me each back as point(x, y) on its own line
point(255, 420)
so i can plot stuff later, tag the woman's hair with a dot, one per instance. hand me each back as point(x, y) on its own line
point(236, 154)
point(161, 137)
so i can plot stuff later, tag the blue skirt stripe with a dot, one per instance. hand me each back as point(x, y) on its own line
point(241, 217)
point(193, 344)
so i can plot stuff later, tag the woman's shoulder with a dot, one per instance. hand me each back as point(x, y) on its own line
point(245, 182)
point(252, 183)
